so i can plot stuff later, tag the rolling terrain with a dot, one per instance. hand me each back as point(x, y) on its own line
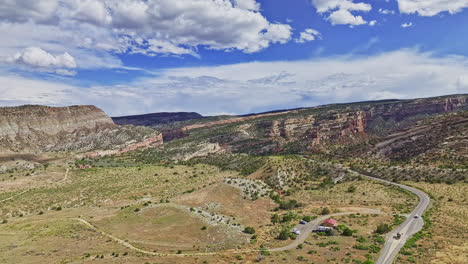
point(77, 186)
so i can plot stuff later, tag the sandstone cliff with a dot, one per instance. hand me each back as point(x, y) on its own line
point(34, 128)
point(349, 124)
point(347, 129)
point(23, 120)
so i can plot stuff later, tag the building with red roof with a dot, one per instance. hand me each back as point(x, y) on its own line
point(329, 222)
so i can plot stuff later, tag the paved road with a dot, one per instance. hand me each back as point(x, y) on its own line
point(312, 225)
point(305, 232)
point(391, 248)
point(407, 229)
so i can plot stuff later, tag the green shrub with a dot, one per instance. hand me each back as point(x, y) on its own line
point(379, 239)
point(275, 219)
point(308, 218)
point(249, 230)
point(347, 232)
point(383, 228)
point(361, 247)
point(325, 211)
point(374, 248)
point(288, 217)
point(361, 239)
point(284, 234)
point(288, 205)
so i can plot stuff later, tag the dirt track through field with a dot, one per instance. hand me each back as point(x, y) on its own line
point(306, 230)
point(65, 177)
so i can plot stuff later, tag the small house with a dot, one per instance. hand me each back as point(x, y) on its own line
point(329, 223)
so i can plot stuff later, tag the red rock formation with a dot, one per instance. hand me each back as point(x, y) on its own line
point(147, 143)
point(233, 120)
point(352, 123)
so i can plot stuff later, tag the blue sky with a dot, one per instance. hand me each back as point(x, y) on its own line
point(229, 56)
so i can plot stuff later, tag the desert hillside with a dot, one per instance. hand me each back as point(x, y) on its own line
point(181, 188)
point(34, 128)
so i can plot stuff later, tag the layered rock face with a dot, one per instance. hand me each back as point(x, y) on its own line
point(354, 122)
point(433, 140)
point(29, 119)
point(76, 128)
point(326, 128)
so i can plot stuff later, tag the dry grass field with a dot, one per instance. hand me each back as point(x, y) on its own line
point(133, 203)
point(183, 209)
point(446, 238)
point(367, 193)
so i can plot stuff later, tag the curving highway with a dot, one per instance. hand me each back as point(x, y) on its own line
point(407, 229)
point(391, 248)
point(312, 225)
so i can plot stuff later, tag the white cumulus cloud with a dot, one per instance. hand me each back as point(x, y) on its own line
point(341, 11)
point(151, 27)
point(344, 17)
point(94, 32)
point(386, 11)
point(307, 35)
point(407, 25)
point(37, 57)
point(26, 10)
point(328, 5)
point(431, 7)
point(247, 4)
point(258, 86)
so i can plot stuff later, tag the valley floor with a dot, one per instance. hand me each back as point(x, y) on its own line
point(198, 213)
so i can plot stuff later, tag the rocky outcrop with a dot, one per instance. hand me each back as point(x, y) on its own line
point(442, 138)
point(323, 129)
point(33, 128)
point(349, 124)
point(147, 142)
point(340, 127)
point(29, 119)
point(233, 120)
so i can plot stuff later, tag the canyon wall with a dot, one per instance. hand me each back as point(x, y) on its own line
point(33, 129)
point(318, 129)
point(23, 120)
